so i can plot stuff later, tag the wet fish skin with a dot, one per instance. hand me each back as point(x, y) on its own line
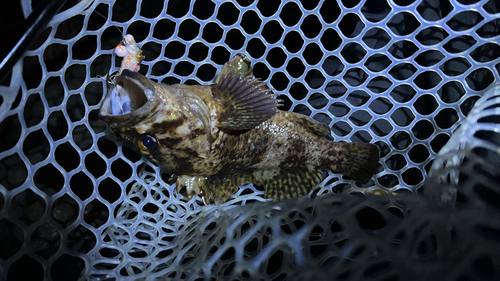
point(199, 136)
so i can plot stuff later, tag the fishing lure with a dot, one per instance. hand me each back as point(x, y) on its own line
point(131, 54)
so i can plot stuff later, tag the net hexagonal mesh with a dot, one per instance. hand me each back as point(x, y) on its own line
point(403, 75)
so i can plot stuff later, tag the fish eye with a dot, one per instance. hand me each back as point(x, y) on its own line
point(147, 143)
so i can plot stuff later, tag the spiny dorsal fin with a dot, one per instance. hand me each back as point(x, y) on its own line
point(243, 102)
point(288, 182)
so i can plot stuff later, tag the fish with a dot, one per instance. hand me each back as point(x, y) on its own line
point(215, 138)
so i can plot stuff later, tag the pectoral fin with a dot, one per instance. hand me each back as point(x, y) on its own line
point(240, 64)
point(288, 182)
point(243, 102)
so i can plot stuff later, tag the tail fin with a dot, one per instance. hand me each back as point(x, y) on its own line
point(359, 161)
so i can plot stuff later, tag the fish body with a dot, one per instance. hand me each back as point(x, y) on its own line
point(218, 137)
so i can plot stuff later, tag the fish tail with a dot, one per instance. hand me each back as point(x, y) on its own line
point(357, 161)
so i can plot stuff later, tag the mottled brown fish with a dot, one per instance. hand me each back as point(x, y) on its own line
point(221, 136)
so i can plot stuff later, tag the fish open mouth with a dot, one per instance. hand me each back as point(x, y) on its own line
point(128, 93)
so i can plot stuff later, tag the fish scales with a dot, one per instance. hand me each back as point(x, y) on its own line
point(221, 136)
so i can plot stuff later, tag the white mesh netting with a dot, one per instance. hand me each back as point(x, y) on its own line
point(402, 74)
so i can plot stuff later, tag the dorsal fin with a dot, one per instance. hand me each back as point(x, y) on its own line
point(243, 102)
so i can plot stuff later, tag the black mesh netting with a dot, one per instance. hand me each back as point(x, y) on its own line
point(417, 78)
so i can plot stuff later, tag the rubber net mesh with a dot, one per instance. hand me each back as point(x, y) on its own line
point(403, 74)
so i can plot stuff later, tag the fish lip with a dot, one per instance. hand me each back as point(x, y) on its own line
point(141, 83)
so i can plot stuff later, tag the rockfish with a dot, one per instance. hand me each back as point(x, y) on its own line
point(218, 137)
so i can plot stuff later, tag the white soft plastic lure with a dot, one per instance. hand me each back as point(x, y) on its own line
point(131, 54)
